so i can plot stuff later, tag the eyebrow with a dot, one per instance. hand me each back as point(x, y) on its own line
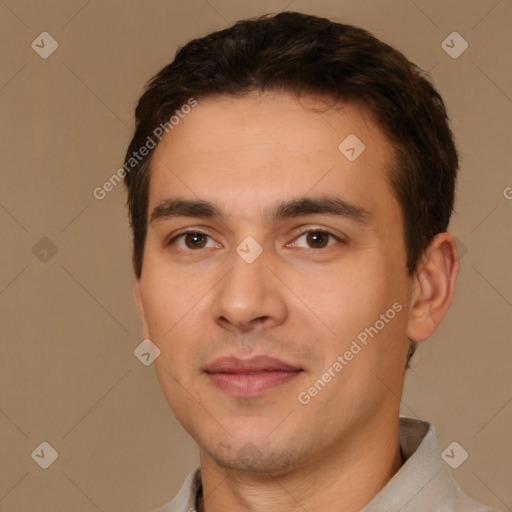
point(298, 207)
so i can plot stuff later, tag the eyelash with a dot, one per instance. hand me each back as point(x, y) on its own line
point(172, 240)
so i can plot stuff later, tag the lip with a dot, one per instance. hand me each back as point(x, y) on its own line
point(250, 377)
point(253, 364)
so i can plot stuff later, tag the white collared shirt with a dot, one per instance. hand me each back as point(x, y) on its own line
point(424, 483)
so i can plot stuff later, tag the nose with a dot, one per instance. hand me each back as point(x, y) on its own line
point(250, 296)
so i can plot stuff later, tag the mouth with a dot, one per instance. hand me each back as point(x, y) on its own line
point(250, 377)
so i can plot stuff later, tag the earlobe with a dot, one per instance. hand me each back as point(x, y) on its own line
point(137, 297)
point(433, 287)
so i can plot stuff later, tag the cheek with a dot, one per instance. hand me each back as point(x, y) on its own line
point(164, 306)
point(174, 307)
point(352, 295)
point(167, 295)
point(351, 302)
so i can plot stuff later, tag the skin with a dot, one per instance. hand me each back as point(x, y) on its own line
point(301, 301)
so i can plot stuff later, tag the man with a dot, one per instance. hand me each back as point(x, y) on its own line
point(290, 183)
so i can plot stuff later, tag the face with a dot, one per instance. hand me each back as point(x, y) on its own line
point(274, 280)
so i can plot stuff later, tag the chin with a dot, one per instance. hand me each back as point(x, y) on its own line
point(248, 458)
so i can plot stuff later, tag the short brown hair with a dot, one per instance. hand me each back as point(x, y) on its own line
point(299, 53)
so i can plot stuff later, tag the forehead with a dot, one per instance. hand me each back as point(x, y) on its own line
point(263, 147)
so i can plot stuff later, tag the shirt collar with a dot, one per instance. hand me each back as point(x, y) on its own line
point(422, 484)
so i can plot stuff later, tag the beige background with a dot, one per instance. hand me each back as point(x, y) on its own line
point(68, 324)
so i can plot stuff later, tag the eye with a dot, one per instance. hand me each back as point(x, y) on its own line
point(193, 240)
point(316, 239)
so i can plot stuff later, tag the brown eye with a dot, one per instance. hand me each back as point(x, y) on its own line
point(317, 239)
point(195, 240)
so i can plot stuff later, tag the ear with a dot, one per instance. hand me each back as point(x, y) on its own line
point(433, 287)
point(137, 296)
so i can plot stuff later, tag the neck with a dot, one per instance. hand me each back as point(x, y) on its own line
point(345, 478)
